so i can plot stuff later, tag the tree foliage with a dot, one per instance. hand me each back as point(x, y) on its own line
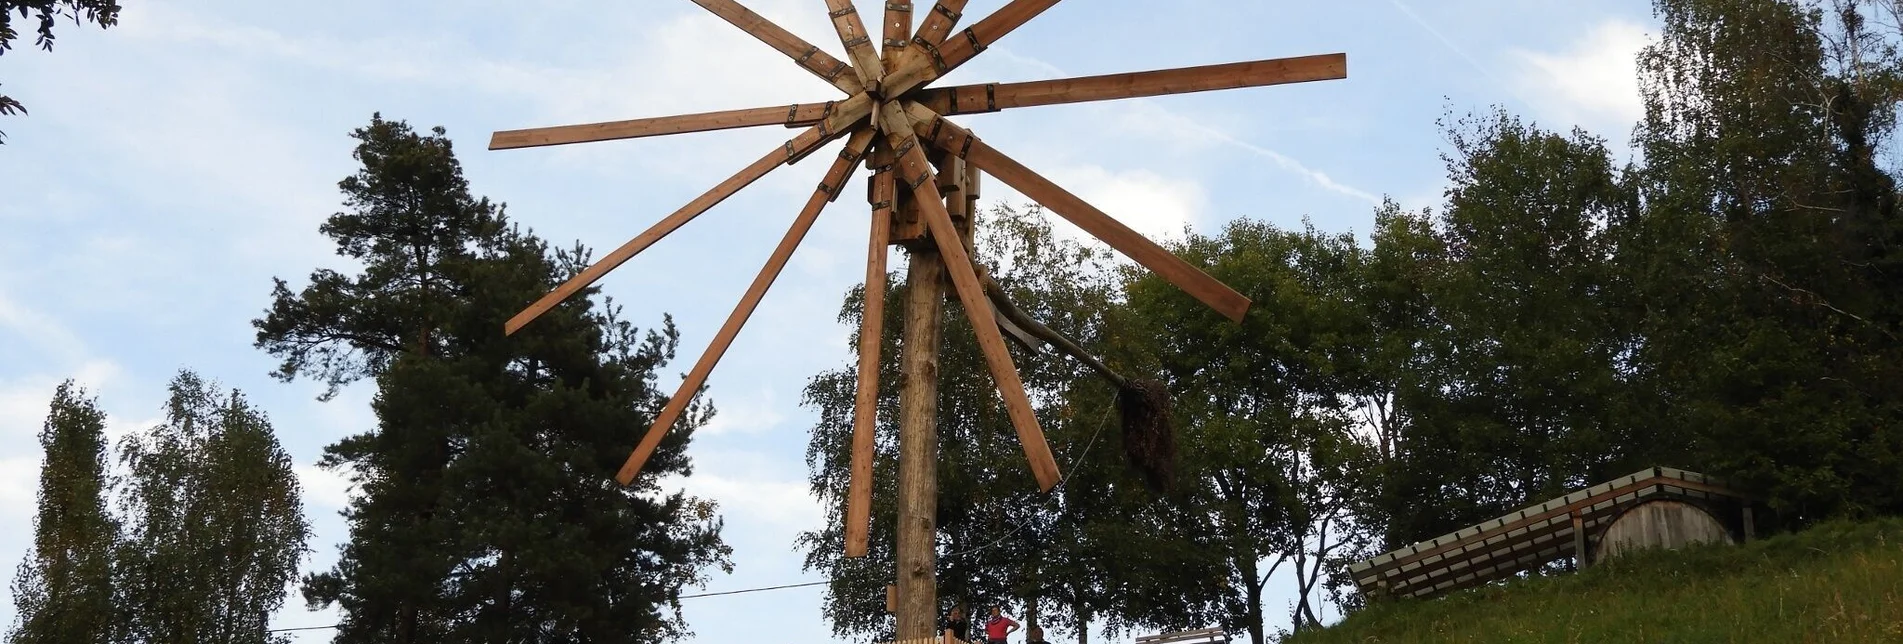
point(63, 590)
point(46, 14)
point(214, 526)
point(486, 509)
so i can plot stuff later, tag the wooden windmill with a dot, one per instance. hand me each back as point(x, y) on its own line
point(893, 119)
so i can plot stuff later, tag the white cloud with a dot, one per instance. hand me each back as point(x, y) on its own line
point(744, 413)
point(323, 489)
point(1593, 83)
point(1154, 205)
point(782, 506)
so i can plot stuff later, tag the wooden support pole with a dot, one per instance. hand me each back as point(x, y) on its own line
point(1750, 527)
point(917, 558)
point(1581, 558)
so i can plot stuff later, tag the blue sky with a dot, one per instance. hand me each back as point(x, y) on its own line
point(173, 165)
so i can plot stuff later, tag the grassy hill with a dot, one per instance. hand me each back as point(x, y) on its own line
point(1838, 582)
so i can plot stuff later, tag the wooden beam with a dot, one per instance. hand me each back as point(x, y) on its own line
point(827, 190)
point(972, 99)
point(1581, 558)
point(858, 42)
point(916, 172)
point(939, 22)
point(898, 30)
point(794, 150)
point(947, 136)
point(871, 338)
point(803, 53)
point(916, 556)
point(924, 64)
point(804, 114)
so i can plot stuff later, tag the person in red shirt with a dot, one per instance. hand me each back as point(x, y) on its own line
point(998, 627)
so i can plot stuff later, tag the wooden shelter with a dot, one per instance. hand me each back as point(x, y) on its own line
point(1701, 508)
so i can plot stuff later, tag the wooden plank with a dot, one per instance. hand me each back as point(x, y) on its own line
point(803, 53)
point(1581, 558)
point(939, 22)
point(976, 99)
point(949, 137)
point(915, 171)
point(866, 402)
point(828, 188)
point(858, 42)
point(898, 30)
point(791, 115)
point(925, 64)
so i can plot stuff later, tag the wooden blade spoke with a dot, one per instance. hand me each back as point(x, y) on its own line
point(927, 63)
point(898, 30)
point(916, 172)
point(803, 53)
point(828, 189)
point(858, 42)
point(939, 22)
point(802, 114)
point(871, 338)
point(968, 99)
point(792, 151)
point(945, 135)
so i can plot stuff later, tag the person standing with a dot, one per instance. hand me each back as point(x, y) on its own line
point(1034, 635)
point(998, 627)
point(958, 625)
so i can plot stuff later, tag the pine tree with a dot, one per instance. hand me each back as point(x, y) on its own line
point(487, 511)
point(63, 590)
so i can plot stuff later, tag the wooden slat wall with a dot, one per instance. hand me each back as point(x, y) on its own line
point(1517, 542)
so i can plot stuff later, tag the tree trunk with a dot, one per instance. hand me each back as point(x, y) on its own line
point(918, 447)
point(1252, 586)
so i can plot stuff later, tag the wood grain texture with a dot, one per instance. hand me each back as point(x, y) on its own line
point(915, 171)
point(897, 31)
point(835, 176)
point(803, 53)
point(948, 136)
point(858, 42)
point(939, 21)
point(804, 114)
point(916, 608)
point(922, 66)
point(866, 401)
point(973, 99)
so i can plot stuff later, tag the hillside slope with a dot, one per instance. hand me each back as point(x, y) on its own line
point(1838, 582)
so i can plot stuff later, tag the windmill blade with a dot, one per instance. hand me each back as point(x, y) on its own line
point(917, 174)
point(791, 152)
point(968, 99)
point(898, 31)
point(947, 136)
point(940, 21)
point(865, 411)
point(803, 53)
point(802, 114)
point(930, 62)
point(858, 42)
point(828, 189)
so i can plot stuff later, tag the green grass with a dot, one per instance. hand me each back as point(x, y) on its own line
point(1837, 582)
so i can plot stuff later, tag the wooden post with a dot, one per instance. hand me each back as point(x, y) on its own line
point(1581, 558)
point(918, 443)
point(1750, 527)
